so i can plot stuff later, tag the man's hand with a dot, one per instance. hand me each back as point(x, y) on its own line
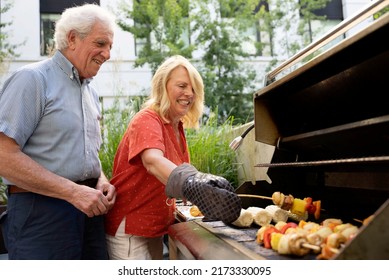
point(108, 190)
point(90, 201)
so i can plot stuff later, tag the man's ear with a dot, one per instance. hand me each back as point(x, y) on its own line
point(72, 36)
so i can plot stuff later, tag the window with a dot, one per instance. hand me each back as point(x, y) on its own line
point(332, 11)
point(50, 12)
point(259, 40)
point(47, 32)
point(333, 14)
point(262, 37)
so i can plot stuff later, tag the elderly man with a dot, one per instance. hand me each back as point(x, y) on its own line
point(49, 143)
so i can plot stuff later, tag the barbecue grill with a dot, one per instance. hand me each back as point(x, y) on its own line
point(328, 119)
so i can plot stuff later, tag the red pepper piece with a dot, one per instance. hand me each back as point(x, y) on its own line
point(317, 204)
point(267, 237)
point(288, 225)
point(308, 204)
point(311, 209)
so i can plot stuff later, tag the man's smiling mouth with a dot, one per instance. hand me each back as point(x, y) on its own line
point(98, 61)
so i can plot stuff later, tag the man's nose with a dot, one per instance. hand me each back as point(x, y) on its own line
point(106, 53)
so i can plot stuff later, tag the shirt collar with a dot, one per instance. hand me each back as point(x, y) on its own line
point(67, 67)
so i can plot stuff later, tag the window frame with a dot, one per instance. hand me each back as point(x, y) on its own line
point(49, 12)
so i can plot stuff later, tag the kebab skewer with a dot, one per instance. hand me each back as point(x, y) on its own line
point(292, 239)
point(296, 205)
point(264, 216)
point(300, 207)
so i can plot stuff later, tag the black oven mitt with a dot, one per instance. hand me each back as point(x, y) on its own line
point(213, 195)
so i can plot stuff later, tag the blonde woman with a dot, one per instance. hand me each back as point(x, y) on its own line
point(152, 167)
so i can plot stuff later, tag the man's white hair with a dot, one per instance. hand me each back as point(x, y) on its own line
point(81, 19)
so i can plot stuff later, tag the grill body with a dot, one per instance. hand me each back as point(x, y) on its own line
point(328, 119)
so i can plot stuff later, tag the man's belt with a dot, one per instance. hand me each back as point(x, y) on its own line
point(15, 189)
point(12, 189)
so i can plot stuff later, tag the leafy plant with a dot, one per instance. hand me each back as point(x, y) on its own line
point(3, 193)
point(209, 149)
point(167, 27)
point(115, 122)
point(160, 26)
point(381, 13)
point(7, 49)
point(229, 83)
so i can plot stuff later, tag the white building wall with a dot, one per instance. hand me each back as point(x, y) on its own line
point(352, 7)
point(117, 76)
point(25, 27)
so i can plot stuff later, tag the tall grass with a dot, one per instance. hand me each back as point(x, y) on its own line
point(115, 122)
point(209, 149)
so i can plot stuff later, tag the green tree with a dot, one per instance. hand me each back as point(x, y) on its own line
point(168, 27)
point(216, 30)
point(307, 9)
point(160, 25)
point(7, 50)
point(281, 18)
point(229, 82)
point(381, 13)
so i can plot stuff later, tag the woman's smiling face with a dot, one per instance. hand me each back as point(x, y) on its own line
point(180, 92)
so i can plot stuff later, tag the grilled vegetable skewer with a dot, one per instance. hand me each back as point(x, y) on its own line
point(325, 239)
point(296, 205)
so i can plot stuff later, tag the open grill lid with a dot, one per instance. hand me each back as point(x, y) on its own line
point(335, 106)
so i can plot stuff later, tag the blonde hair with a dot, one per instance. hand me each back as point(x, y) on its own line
point(159, 100)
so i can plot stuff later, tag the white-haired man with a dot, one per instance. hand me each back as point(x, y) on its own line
point(49, 143)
